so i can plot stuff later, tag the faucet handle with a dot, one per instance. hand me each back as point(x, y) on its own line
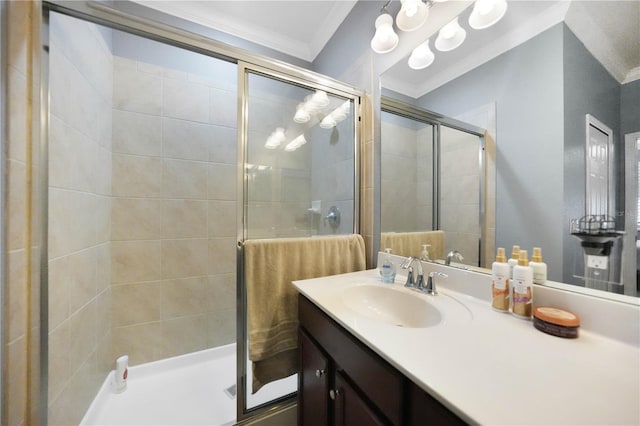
point(431, 283)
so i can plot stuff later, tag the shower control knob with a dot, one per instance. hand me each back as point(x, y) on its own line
point(333, 394)
point(319, 373)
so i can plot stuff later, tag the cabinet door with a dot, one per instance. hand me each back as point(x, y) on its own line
point(313, 393)
point(350, 409)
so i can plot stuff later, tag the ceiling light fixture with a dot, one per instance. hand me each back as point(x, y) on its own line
point(385, 39)
point(450, 36)
point(412, 15)
point(486, 13)
point(421, 57)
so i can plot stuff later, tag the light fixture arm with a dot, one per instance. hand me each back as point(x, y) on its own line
point(384, 8)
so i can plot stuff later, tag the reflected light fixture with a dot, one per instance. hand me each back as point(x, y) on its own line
point(336, 116)
point(385, 39)
point(296, 143)
point(450, 36)
point(412, 15)
point(275, 139)
point(302, 115)
point(486, 13)
point(421, 57)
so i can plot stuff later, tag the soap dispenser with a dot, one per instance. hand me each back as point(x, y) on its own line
point(513, 260)
point(425, 252)
point(538, 266)
point(388, 269)
point(522, 287)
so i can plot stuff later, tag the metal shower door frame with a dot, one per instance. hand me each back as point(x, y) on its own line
point(104, 14)
point(311, 81)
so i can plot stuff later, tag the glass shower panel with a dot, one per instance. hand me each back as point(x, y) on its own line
point(142, 208)
point(299, 176)
point(460, 186)
point(406, 174)
point(299, 161)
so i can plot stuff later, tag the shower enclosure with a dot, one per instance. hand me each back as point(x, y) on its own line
point(434, 167)
point(165, 153)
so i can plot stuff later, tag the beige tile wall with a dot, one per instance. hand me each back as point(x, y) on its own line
point(460, 200)
point(279, 182)
point(19, 74)
point(333, 173)
point(173, 212)
point(399, 175)
point(79, 219)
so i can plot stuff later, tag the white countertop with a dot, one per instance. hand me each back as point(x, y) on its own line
point(493, 368)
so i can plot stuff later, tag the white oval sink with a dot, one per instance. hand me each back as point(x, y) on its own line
point(392, 306)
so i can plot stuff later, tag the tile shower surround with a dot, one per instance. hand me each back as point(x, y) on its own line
point(407, 171)
point(22, 38)
point(144, 264)
point(173, 212)
point(79, 217)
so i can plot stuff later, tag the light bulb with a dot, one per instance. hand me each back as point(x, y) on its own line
point(486, 13)
point(450, 36)
point(412, 15)
point(421, 57)
point(411, 9)
point(328, 122)
point(385, 39)
point(484, 6)
point(302, 115)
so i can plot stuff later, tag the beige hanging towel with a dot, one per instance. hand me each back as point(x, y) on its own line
point(410, 243)
point(270, 266)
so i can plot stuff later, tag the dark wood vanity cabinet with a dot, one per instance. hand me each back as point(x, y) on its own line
point(343, 382)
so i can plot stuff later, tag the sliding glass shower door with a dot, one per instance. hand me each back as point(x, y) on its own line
point(433, 178)
point(298, 145)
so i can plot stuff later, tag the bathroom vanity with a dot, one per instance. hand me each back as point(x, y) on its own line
point(343, 382)
point(374, 353)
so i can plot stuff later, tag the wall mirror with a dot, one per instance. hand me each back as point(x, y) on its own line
point(433, 185)
point(531, 81)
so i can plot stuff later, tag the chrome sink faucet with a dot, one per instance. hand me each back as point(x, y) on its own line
point(453, 254)
point(411, 282)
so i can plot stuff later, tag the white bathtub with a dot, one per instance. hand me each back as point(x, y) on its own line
point(187, 389)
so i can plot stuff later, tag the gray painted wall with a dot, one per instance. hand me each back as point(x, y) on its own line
point(526, 84)
point(630, 108)
point(588, 89)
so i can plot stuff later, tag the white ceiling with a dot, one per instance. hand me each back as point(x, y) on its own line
point(609, 28)
point(298, 28)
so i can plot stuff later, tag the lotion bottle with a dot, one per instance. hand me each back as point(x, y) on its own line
point(522, 287)
point(538, 266)
point(388, 269)
point(513, 260)
point(500, 284)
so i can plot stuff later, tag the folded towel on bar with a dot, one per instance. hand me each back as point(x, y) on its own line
point(410, 243)
point(270, 266)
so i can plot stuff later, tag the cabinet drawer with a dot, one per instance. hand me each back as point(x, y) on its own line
point(375, 378)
